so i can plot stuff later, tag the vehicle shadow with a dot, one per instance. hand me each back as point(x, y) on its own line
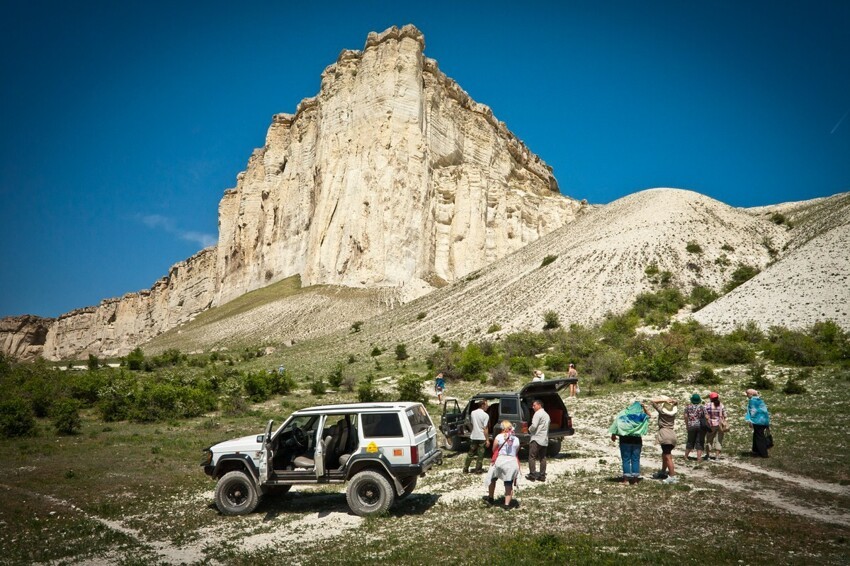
point(275, 506)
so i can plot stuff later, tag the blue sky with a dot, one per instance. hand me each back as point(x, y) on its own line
point(124, 122)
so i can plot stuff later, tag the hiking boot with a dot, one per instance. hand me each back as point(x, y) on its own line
point(478, 471)
point(531, 477)
point(488, 500)
point(671, 479)
point(659, 476)
point(541, 477)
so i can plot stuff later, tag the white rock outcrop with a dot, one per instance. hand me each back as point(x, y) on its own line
point(391, 176)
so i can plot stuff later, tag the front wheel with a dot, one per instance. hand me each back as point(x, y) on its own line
point(553, 449)
point(369, 493)
point(236, 494)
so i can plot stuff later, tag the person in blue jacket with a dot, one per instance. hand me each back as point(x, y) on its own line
point(759, 419)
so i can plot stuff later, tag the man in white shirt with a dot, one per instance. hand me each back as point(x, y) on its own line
point(539, 431)
point(538, 375)
point(480, 437)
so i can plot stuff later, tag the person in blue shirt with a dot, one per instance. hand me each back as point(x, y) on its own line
point(439, 386)
point(759, 419)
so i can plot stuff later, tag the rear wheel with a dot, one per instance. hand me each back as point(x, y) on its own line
point(369, 493)
point(553, 449)
point(236, 494)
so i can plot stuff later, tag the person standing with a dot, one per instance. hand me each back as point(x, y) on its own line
point(666, 437)
point(716, 414)
point(759, 419)
point(572, 372)
point(630, 425)
point(479, 438)
point(694, 414)
point(539, 431)
point(439, 387)
point(505, 466)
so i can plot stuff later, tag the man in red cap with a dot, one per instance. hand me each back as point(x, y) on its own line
point(716, 414)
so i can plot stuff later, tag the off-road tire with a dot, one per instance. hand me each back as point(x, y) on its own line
point(369, 493)
point(409, 484)
point(553, 449)
point(236, 494)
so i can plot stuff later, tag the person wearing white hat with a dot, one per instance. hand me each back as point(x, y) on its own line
point(666, 437)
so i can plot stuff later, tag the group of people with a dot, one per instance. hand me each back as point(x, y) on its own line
point(706, 425)
point(572, 372)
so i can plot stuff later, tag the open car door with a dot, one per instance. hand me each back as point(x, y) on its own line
point(451, 421)
point(546, 386)
point(266, 455)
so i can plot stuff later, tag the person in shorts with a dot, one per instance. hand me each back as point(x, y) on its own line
point(696, 435)
point(666, 437)
point(439, 387)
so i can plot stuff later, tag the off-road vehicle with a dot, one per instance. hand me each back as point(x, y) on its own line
point(380, 449)
point(515, 407)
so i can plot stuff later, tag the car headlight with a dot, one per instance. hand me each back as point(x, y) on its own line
point(207, 457)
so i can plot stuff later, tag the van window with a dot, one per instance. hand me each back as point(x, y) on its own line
point(419, 419)
point(381, 425)
point(509, 407)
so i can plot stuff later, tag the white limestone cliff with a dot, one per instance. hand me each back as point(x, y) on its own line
point(391, 176)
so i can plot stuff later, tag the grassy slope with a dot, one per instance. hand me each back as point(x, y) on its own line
point(132, 485)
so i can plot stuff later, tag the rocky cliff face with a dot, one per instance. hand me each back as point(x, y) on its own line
point(392, 176)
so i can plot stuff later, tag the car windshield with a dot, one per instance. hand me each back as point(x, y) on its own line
point(419, 419)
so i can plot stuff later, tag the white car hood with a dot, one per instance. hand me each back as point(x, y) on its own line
point(244, 444)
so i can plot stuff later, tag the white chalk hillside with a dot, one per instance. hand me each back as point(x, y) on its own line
point(600, 265)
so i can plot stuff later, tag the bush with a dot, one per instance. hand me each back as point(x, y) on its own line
point(472, 362)
point(525, 343)
point(16, 418)
point(547, 260)
point(557, 362)
point(693, 247)
point(651, 270)
point(136, 359)
point(666, 301)
point(499, 375)
point(793, 387)
point(335, 377)
point(495, 327)
point(749, 333)
point(701, 296)
point(282, 383)
point(435, 339)
point(318, 387)
point(401, 352)
point(723, 350)
point(660, 358)
point(258, 385)
point(376, 351)
point(551, 320)
point(779, 219)
point(367, 392)
point(66, 416)
point(706, 376)
point(421, 316)
point(94, 362)
point(521, 365)
point(758, 377)
point(741, 275)
point(356, 326)
point(793, 347)
point(410, 389)
point(608, 365)
point(617, 329)
point(835, 342)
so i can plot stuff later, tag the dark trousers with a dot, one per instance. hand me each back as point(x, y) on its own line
point(759, 441)
point(476, 449)
point(536, 453)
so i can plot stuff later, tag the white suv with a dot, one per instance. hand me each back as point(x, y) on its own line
point(380, 449)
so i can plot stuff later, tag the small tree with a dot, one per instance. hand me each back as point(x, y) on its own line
point(376, 351)
point(355, 326)
point(16, 418)
point(335, 377)
point(410, 389)
point(401, 352)
point(94, 362)
point(66, 416)
point(136, 359)
point(551, 320)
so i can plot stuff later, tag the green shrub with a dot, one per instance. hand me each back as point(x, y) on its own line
point(94, 362)
point(525, 343)
point(666, 278)
point(495, 327)
point(758, 377)
point(557, 362)
point(136, 359)
point(258, 385)
point(723, 261)
point(318, 387)
point(472, 362)
point(723, 350)
point(376, 351)
point(706, 376)
point(551, 320)
point(351, 359)
point(778, 218)
point(410, 389)
point(282, 383)
point(617, 329)
point(66, 416)
point(741, 275)
point(435, 339)
point(16, 418)
point(114, 399)
point(793, 387)
point(834, 341)
point(367, 392)
point(547, 260)
point(693, 247)
point(608, 365)
point(662, 357)
point(651, 270)
point(727, 248)
point(356, 326)
point(335, 377)
point(749, 333)
point(666, 301)
point(701, 296)
point(793, 347)
point(401, 352)
point(521, 364)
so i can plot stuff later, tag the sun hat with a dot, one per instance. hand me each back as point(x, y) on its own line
point(668, 409)
point(695, 398)
point(713, 395)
